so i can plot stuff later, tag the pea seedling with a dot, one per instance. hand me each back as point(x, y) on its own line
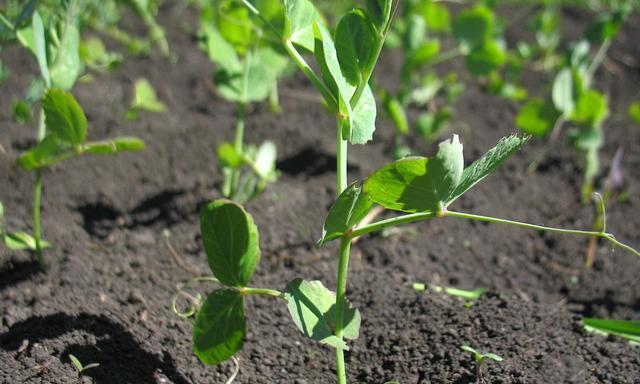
point(18, 241)
point(422, 188)
point(79, 366)
point(573, 100)
point(480, 359)
point(248, 69)
point(145, 98)
point(66, 138)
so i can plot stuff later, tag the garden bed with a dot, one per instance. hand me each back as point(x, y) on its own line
point(107, 295)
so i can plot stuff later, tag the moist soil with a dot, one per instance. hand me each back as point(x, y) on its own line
point(107, 295)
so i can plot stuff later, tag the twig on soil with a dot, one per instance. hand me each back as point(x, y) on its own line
point(177, 258)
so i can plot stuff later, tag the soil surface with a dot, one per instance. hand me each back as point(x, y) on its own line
point(107, 295)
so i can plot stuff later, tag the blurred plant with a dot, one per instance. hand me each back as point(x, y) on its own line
point(249, 66)
point(144, 98)
point(627, 329)
point(573, 100)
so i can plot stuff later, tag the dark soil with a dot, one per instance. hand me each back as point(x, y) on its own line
point(107, 295)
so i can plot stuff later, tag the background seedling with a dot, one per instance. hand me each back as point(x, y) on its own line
point(66, 138)
point(480, 359)
point(463, 293)
point(79, 366)
point(248, 69)
point(144, 98)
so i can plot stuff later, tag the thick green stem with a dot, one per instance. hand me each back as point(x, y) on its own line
point(341, 289)
point(392, 222)
point(341, 156)
point(37, 197)
point(261, 291)
point(238, 145)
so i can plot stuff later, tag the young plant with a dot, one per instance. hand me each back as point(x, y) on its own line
point(248, 69)
point(574, 101)
point(145, 98)
point(18, 241)
point(627, 329)
point(479, 359)
point(66, 138)
point(79, 366)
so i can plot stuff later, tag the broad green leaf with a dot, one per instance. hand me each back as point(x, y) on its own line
point(327, 59)
point(301, 16)
point(48, 152)
point(364, 118)
point(19, 241)
point(228, 156)
point(220, 51)
point(563, 92)
point(113, 146)
point(39, 47)
point(235, 25)
point(346, 212)
point(265, 163)
point(473, 27)
point(435, 16)
point(592, 107)
point(634, 111)
point(537, 117)
point(146, 98)
point(312, 308)
point(628, 329)
point(231, 242)
point(379, 11)
point(65, 66)
point(423, 54)
point(418, 184)
point(355, 39)
point(396, 113)
point(64, 117)
point(485, 58)
point(220, 327)
point(487, 164)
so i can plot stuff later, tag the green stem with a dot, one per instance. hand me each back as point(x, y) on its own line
point(577, 232)
point(341, 289)
point(238, 145)
point(341, 156)
point(37, 197)
point(311, 75)
point(261, 291)
point(597, 61)
point(392, 222)
point(446, 56)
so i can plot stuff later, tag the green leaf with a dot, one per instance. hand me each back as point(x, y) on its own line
point(563, 92)
point(96, 56)
point(312, 308)
point(592, 107)
point(379, 11)
point(301, 16)
point(628, 329)
point(327, 59)
point(228, 156)
point(220, 327)
point(435, 16)
point(76, 363)
point(65, 66)
point(605, 27)
point(64, 117)
point(146, 98)
point(219, 50)
point(423, 54)
point(48, 152)
point(487, 164)
point(364, 118)
point(492, 356)
point(473, 27)
point(265, 162)
point(634, 111)
point(231, 242)
point(537, 117)
point(355, 39)
point(39, 47)
point(396, 113)
point(112, 146)
point(235, 25)
point(21, 112)
point(19, 241)
point(485, 58)
point(418, 184)
point(346, 212)
point(260, 78)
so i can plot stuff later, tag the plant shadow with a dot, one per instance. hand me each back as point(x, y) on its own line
point(17, 271)
point(121, 358)
point(309, 162)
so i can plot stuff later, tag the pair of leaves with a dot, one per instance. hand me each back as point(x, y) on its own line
point(231, 242)
point(145, 98)
point(416, 184)
point(474, 29)
point(67, 134)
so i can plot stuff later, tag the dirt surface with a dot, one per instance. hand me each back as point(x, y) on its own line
point(107, 295)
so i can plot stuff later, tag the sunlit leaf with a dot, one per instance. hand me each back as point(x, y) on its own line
point(301, 16)
point(347, 211)
point(563, 92)
point(64, 117)
point(627, 329)
point(537, 117)
point(355, 39)
point(485, 58)
point(474, 26)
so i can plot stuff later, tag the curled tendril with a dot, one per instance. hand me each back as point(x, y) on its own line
point(195, 302)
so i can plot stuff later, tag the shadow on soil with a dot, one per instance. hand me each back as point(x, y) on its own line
point(17, 271)
point(121, 358)
point(309, 162)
